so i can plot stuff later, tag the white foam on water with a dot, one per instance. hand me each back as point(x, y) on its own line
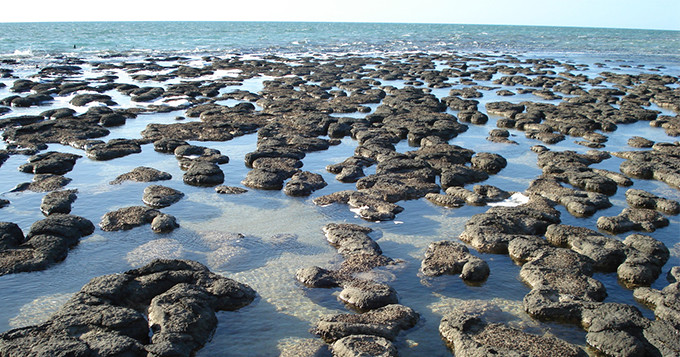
point(516, 199)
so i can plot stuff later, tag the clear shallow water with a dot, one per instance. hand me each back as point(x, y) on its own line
point(283, 234)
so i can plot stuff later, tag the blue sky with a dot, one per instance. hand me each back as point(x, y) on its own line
point(648, 14)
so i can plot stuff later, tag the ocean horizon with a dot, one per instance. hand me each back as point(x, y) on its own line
point(126, 37)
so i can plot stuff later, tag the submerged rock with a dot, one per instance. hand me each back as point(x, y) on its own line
point(108, 316)
point(230, 190)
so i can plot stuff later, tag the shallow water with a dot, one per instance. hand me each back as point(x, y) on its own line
point(282, 234)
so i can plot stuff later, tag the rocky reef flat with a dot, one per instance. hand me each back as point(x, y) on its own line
point(405, 204)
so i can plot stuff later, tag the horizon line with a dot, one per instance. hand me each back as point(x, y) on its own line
point(336, 22)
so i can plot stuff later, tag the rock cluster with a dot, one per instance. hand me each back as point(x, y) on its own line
point(166, 308)
point(47, 242)
point(469, 334)
point(382, 316)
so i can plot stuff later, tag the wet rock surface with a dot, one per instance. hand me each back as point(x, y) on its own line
point(493, 230)
point(639, 219)
point(385, 322)
point(47, 242)
point(44, 183)
point(373, 107)
point(642, 199)
point(203, 173)
point(469, 334)
point(175, 299)
point(50, 163)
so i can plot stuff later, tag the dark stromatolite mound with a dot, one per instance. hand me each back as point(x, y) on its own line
point(168, 146)
point(664, 302)
point(367, 207)
point(58, 202)
point(82, 100)
point(112, 315)
point(267, 178)
point(446, 200)
point(54, 131)
point(643, 199)
point(364, 345)
point(142, 174)
point(473, 116)
point(51, 162)
point(461, 175)
point(661, 163)
point(10, 235)
point(469, 334)
point(187, 154)
point(620, 330)
point(645, 258)
point(114, 148)
point(220, 128)
point(607, 253)
point(457, 196)
point(127, 218)
point(562, 272)
point(640, 142)
point(385, 322)
point(164, 223)
point(639, 219)
point(203, 173)
point(47, 242)
point(488, 162)
point(350, 170)
point(362, 254)
point(493, 230)
point(43, 183)
point(446, 257)
point(671, 124)
point(157, 196)
point(577, 202)
point(573, 168)
point(304, 183)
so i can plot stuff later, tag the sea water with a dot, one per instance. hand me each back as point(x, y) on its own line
point(282, 234)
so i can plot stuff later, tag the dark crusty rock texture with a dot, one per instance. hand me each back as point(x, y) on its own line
point(166, 308)
point(47, 242)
